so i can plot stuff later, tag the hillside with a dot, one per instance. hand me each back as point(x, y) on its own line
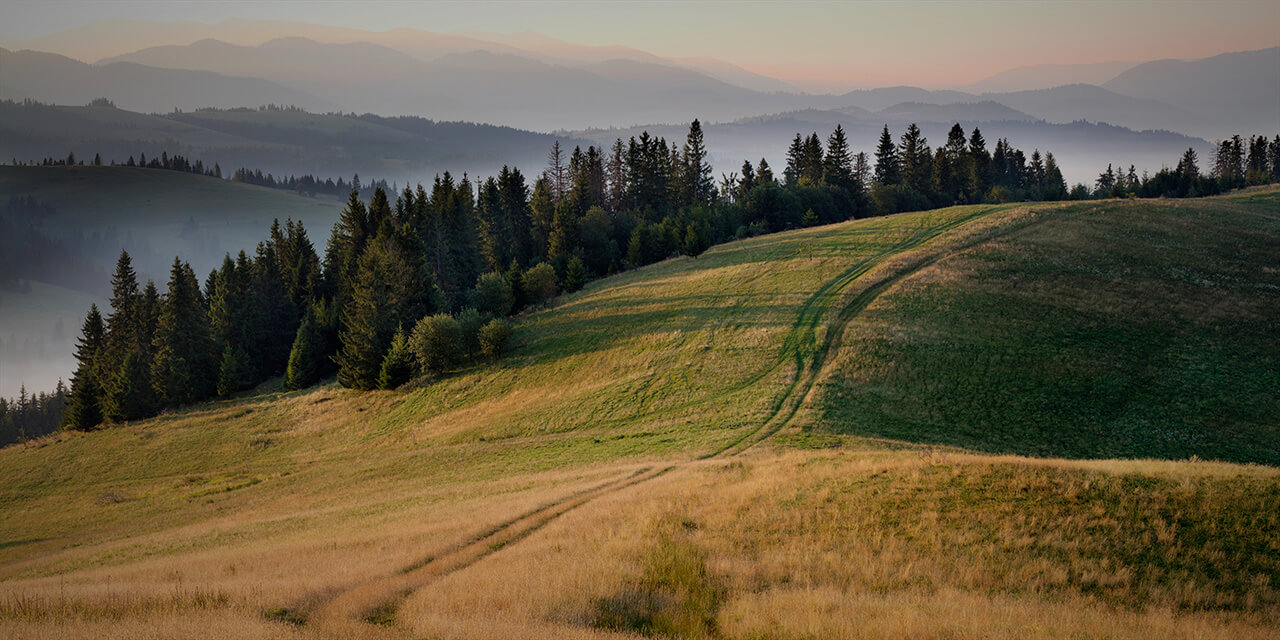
point(683, 450)
point(275, 141)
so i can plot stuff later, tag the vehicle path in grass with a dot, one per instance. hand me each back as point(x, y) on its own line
point(368, 609)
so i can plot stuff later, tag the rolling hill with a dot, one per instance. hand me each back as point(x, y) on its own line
point(784, 438)
point(279, 141)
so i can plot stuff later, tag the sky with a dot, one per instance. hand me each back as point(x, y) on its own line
point(815, 44)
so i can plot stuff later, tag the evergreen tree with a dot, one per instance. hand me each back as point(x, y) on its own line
point(1055, 186)
point(979, 165)
point(557, 173)
point(795, 161)
point(917, 160)
point(346, 243)
point(388, 293)
point(124, 325)
point(699, 186)
point(397, 366)
point(128, 394)
point(764, 175)
point(233, 371)
point(837, 166)
point(616, 174)
point(84, 407)
point(542, 210)
point(575, 274)
point(309, 353)
point(888, 167)
point(182, 371)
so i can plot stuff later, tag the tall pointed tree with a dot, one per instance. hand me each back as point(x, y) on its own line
point(888, 164)
point(84, 407)
point(182, 370)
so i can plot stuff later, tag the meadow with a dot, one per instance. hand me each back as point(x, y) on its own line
point(963, 423)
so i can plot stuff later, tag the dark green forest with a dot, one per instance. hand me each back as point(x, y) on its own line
point(420, 282)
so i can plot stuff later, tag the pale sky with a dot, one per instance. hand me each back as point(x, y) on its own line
point(842, 44)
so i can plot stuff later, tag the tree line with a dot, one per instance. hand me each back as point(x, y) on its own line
point(1238, 162)
point(31, 415)
point(422, 284)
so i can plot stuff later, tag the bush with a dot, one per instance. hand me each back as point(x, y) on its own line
point(437, 342)
point(494, 337)
point(493, 295)
point(469, 323)
point(540, 283)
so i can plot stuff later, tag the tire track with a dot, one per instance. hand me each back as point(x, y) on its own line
point(351, 613)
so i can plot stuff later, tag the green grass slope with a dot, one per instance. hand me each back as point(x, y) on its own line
point(661, 453)
point(1117, 329)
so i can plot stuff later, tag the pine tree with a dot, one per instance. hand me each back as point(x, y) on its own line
point(557, 173)
point(917, 160)
point(309, 354)
point(84, 408)
point(233, 371)
point(397, 365)
point(795, 162)
point(699, 186)
point(575, 274)
point(979, 166)
point(346, 243)
point(125, 323)
point(888, 167)
point(616, 175)
point(837, 166)
point(387, 294)
point(182, 370)
point(128, 394)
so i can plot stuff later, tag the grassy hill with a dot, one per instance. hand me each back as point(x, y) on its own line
point(759, 443)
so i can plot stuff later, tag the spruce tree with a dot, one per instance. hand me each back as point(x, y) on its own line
point(309, 353)
point(182, 370)
point(888, 167)
point(346, 243)
point(699, 186)
point(388, 292)
point(84, 407)
point(397, 365)
point(128, 393)
point(917, 160)
point(837, 166)
point(979, 165)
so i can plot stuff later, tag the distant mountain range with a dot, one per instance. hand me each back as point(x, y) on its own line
point(535, 82)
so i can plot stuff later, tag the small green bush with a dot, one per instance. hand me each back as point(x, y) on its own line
point(437, 342)
point(494, 337)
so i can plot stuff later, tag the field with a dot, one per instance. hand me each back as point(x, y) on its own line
point(822, 433)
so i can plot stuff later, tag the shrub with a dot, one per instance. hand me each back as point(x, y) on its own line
point(436, 342)
point(540, 283)
point(493, 295)
point(469, 323)
point(494, 337)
